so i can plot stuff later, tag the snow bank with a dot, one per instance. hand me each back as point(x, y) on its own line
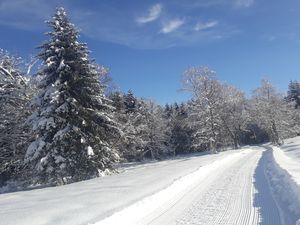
point(139, 210)
point(93, 200)
point(284, 174)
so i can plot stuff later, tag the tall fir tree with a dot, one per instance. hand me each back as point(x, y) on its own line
point(179, 132)
point(293, 98)
point(73, 123)
point(133, 143)
point(155, 130)
point(293, 93)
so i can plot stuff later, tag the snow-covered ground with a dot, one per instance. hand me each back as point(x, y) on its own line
point(232, 187)
point(222, 192)
point(284, 175)
point(93, 200)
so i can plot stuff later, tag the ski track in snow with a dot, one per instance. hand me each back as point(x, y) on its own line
point(234, 192)
point(238, 195)
point(93, 200)
point(228, 201)
point(230, 188)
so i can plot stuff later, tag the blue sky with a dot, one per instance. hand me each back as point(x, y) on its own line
point(148, 44)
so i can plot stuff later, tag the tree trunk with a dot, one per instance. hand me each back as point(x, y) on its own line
point(212, 146)
point(152, 154)
point(275, 135)
point(236, 141)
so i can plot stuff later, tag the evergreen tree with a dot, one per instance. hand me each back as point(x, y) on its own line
point(155, 131)
point(168, 111)
point(72, 121)
point(180, 140)
point(293, 93)
point(293, 97)
point(130, 101)
point(130, 145)
point(117, 99)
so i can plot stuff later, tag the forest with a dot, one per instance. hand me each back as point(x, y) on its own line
point(63, 123)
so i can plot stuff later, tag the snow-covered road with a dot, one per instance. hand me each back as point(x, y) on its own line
point(226, 188)
point(235, 192)
point(92, 200)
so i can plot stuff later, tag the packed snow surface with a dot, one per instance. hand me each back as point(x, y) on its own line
point(93, 200)
point(284, 173)
point(232, 190)
point(231, 187)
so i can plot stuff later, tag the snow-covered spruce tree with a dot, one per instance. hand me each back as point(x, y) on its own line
point(293, 93)
point(72, 122)
point(176, 117)
point(15, 96)
point(133, 143)
point(154, 130)
point(143, 126)
point(293, 98)
point(130, 144)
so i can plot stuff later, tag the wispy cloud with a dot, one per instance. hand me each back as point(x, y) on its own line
point(236, 4)
point(117, 24)
point(203, 26)
point(171, 26)
point(27, 14)
point(33, 7)
point(153, 14)
point(243, 3)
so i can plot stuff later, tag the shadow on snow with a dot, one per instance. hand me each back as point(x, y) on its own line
point(263, 199)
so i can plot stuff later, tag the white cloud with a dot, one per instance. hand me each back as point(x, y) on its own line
point(192, 4)
point(171, 26)
point(243, 3)
point(199, 3)
point(117, 25)
point(203, 26)
point(25, 14)
point(153, 14)
point(33, 7)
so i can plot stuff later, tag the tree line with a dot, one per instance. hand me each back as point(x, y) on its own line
point(59, 125)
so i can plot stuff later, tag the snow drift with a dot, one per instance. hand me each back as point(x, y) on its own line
point(284, 175)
